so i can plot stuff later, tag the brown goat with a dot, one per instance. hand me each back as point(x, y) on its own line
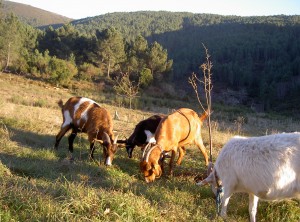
point(182, 127)
point(85, 115)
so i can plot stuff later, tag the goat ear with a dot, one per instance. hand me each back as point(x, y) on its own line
point(148, 166)
point(156, 166)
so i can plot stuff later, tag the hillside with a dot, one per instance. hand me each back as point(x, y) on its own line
point(33, 16)
point(38, 183)
point(257, 56)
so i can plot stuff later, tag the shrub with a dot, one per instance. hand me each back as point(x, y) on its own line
point(61, 71)
point(88, 72)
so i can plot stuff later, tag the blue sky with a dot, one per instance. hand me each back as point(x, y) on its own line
point(86, 8)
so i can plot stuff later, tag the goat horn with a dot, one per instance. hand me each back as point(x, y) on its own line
point(100, 141)
point(116, 139)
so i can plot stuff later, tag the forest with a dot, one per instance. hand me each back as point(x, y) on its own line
point(255, 59)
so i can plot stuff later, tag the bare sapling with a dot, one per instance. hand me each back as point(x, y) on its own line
point(124, 87)
point(206, 83)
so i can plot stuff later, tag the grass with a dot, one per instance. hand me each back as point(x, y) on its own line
point(40, 184)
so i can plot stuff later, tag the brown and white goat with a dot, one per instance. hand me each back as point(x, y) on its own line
point(181, 128)
point(85, 115)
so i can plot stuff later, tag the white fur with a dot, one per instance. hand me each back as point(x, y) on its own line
point(68, 119)
point(150, 137)
point(152, 140)
point(266, 167)
point(84, 114)
point(82, 100)
point(108, 161)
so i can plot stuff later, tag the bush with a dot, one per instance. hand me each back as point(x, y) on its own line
point(88, 72)
point(61, 71)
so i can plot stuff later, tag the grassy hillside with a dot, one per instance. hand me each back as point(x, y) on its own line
point(32, 15)
point(40, 184)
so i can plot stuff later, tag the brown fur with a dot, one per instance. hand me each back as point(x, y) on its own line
point(181, 128)
point(96, 122)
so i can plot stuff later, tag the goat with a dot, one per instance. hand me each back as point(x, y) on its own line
point(178, 129)
point(85, 115)
point(266, 167)
point(143, 133)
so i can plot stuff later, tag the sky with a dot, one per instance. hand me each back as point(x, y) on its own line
point(78, 9)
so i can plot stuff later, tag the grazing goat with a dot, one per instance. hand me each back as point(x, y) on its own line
point(178, 129)
point(142, 134)
point(85, 115)
point(266, 167)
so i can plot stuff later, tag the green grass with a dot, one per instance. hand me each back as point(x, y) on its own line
point(38, 183)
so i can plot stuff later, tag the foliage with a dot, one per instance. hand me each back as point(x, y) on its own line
point(10, 42)
point(110, 49)
point(61, 71)
point(258, 56)
point(88, 71)
point(39, 63)
point(157, 59)
point(146, 77)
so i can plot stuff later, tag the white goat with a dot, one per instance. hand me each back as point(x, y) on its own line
point(266, 167)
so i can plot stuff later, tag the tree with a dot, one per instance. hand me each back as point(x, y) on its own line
point(111, 49)
point(11, 40)
point(137, 54)
point(207, 84)
point(157, 59)
point(126, 88)
point(146, 77)
point(39, 62)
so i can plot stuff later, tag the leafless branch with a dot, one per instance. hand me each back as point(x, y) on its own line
point(207, 84)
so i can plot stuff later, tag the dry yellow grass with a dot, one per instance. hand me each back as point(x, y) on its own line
point(38, 184)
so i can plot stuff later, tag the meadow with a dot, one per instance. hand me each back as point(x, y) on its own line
point(38, 183)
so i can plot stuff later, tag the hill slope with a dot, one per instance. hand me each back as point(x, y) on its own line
point(46, 186)
point(32, 15)
point(258, 55)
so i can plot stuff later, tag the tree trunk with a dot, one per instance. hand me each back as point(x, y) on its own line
point(8, 57)
point(108, 69)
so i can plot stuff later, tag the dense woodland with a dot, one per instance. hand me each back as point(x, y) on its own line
point(256, 58)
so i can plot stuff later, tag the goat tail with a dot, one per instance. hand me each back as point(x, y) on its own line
point(60, 103)
point(204, 115)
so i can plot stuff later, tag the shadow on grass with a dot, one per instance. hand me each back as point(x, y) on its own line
point(124, 175)
point(30, 139)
